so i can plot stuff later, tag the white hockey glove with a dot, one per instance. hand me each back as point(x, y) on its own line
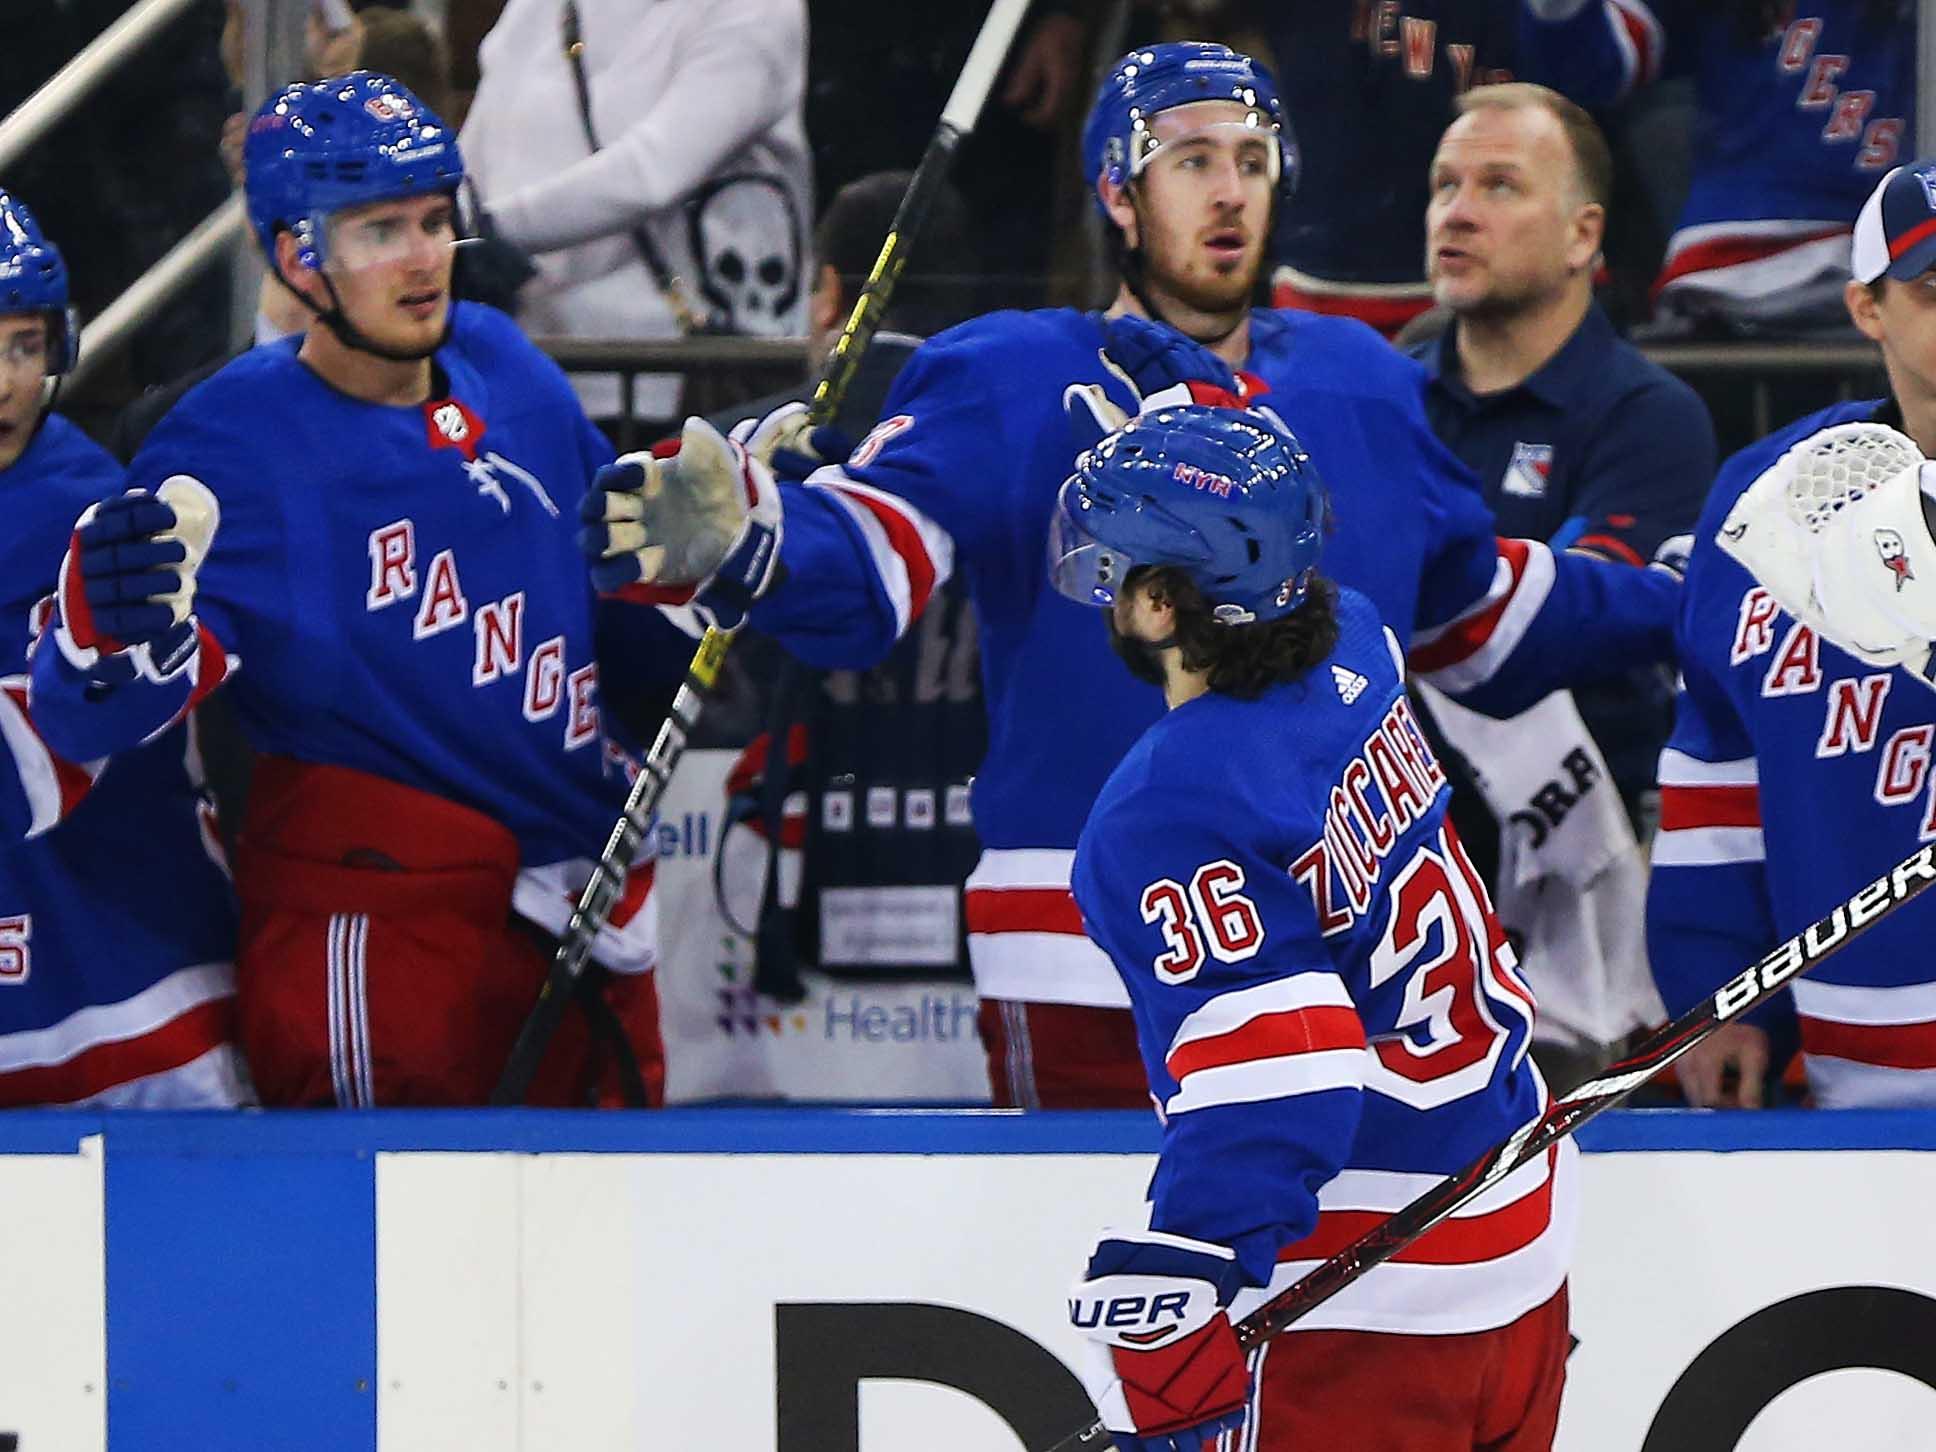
point(695, 524)
point(127, 582)
point(1162, 1364)
point(1835, 531)
point(789, 443)
point(1160, 366)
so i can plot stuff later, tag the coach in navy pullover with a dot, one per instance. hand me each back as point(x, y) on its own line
point(1575, 437)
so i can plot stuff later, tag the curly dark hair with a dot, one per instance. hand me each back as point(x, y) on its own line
point(1245, 660)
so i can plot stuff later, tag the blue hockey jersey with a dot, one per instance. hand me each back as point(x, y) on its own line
point(399, 590)
point(117, 930)
point(1328, 1011)
point(961, 475)
point(1795, 775)
point(1793, 129)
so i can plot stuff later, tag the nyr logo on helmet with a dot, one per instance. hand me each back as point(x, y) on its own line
point(390, 108)
point(1895, 557)
point(1204, 481)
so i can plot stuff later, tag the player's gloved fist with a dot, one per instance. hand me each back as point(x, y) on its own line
point(694, 523)
point(1162, 368)
point(789, 443)
point(128, 579)
point(1162, 1361)
point(1672, 555)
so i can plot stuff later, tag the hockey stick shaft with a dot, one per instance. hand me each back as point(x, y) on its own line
point(594, 905)
point(1750, 987)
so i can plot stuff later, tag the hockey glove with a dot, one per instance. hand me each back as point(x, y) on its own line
point(127, 583)
point(1162, 368)
point(1162, 1362)
point(1838, 531)
point(789, 444)
point(695, 523)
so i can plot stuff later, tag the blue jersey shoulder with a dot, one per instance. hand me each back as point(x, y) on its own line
point(62, 458)
point(1342, 352)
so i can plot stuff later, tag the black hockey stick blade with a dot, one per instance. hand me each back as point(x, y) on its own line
point(607, 881)
point(1751, 986)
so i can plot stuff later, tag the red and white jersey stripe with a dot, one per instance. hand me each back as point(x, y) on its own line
point(912, 555)
point(1637, 35)
point(1710, 812)
point(1289, 1036)
point(53, 786)
point(1485, 1266)
point(1465, 652)
point(1026, 941)
point(1868, 1047)
point(108, 1052)
point(1753, 260)
point(629, 941)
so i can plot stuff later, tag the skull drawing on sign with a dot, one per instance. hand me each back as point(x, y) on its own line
point(745, 237)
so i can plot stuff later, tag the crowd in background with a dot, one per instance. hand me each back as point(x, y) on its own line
point(658, 171)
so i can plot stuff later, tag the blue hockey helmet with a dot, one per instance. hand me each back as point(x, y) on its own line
point(1229, 496)
point(1116, 139)
point(316, 148)
point(33, 279)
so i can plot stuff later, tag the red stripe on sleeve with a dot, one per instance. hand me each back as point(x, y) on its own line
point(1271, 1036)
point(1682, 807)
point(1462, 1240)
point(1022, 910)
point(102, 1067)
point(1886, 1045)
point(905, 540)
point(1730, 252)
point(1610, 546)
point(211, 669)
point(73, 781)
point(1468, 636)
point(1647, 64)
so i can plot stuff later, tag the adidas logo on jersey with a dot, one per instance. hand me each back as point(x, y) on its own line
point(1350, 684)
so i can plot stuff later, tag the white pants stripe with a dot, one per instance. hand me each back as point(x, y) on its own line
point(1020, 1057)
point(349, 1010)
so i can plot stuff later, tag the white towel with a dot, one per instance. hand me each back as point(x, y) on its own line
point(1572, 878)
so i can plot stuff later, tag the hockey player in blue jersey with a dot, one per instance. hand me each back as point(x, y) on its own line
point(395, 599)
point(1328, 1013)
point(1799, 768)
point(117, 929)
point(1799, 109)
point(1187, 153)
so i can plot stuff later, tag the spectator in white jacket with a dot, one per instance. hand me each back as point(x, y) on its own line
point(692, 209)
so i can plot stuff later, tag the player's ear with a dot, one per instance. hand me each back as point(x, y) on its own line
point(289, 263)
point(1115, 201)
point(1589, 235)
point(1865, 311)
point(825, 304)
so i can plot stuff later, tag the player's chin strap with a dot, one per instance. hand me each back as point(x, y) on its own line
point(351, 336)
point(337, 321)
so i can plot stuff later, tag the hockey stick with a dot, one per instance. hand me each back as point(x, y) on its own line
point(594, 907)
point(1662, 1047)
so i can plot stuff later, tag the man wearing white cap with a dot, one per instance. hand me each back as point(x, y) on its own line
point(1800, 767)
